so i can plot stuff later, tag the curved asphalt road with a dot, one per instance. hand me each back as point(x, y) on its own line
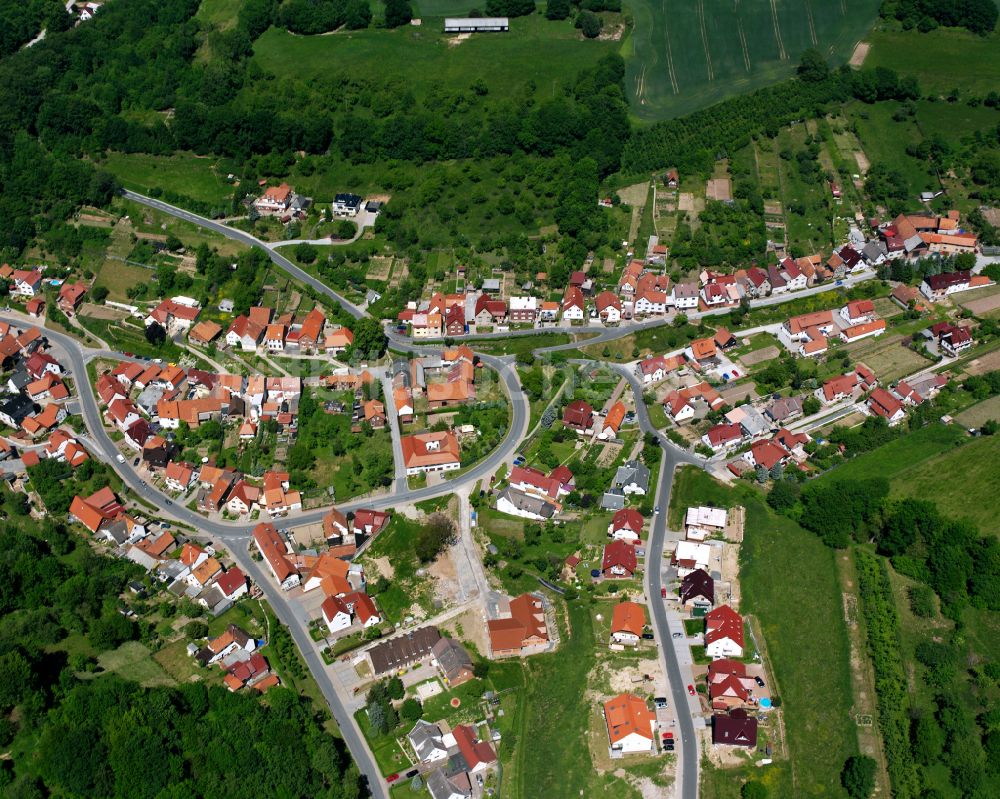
point(673, 456)
point(251, 241)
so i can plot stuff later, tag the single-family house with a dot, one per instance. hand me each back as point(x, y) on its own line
point(619, 561)
point(627, 525)
point(520, 630)
point(628, 619)
point(631, 724)
point(612, 423)
point(697, 589)
point(579, 416)
point(431, 452)
point(723, 633)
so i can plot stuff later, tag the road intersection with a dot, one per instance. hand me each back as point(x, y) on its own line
point(236, 535)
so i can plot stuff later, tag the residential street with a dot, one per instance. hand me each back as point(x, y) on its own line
point(472, 579)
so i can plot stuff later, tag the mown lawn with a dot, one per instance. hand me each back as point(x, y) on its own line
point(808, 650)
point(422, 58)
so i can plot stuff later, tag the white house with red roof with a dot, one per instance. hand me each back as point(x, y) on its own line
point(767, 454)
point(336, 614)
point(723, 633)
point(626, 525)
point(26, 282)
point(884, 404)
point(722, 436)
point(572, 304)
point(858, 312)
point(609, 308)
point(630, 723)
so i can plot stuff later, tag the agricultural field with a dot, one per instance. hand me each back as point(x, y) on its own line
point(808, 651)
point(941, 60)
point(684, 56)
point(887, 357)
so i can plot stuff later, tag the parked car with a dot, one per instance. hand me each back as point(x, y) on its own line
point(667, 736)
point(656, 509)
point(691, 690)
point(663, 592)
point(135, 462)
point(677, 635)
point(759, 681)
point(660, 702)
point(392, 778)
point(411, 773)
point(647, 636)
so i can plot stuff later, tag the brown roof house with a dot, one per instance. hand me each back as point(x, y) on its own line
point(520, 630)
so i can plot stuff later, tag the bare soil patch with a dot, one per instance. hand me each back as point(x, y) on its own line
point(101, 311)
point(720, 189)
point(759, 356)
point(983, 364)
point(860, 54)
point(983, 304)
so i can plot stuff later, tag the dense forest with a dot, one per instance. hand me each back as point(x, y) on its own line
point(75, 731)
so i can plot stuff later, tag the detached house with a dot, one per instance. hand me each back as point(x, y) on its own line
point(609, 308)
point(627, 623)
point(697, 589)
point(612, 422)
point(520, 630)
point(626, 525)
point(619, 561)
point(631, 724)
point(579, 416)
point(244, 333)
point(70, 296)
point(431, 452)
point(884, 404)
point(723, 633)
point(572, 304)
point(858, 312)
point(26, 282)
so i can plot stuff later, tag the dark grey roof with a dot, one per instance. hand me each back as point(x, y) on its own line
point(352, 200)
point(632, 472)
point(17, 407)
point(20, 378)
point(426, 739)
point(404, 650)
point(698, 584)
point(528, 502)
point(451, 657)
point(441, 787)
point(614, 499)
